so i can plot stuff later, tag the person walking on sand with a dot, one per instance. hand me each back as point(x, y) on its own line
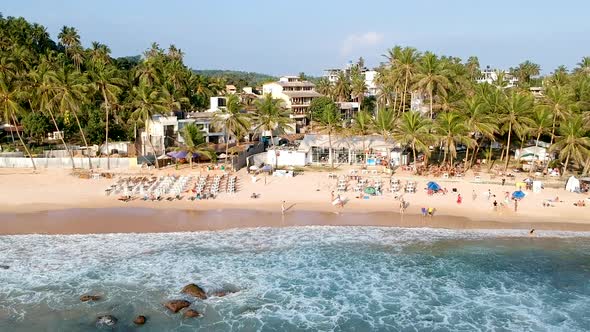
point(283, 207)
point(402, 205)
point(489, 194)
point(459, 199)
point(332, 199)
point(515, 205)
point(473, 195)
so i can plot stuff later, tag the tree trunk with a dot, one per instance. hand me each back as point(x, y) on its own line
point(414, 154)
point(430, 92)
point(331, 152)
point(474, 157)
point(534, 163)
point(508, 147)
point(445, 153)
point(23, 142)
point(62, 138)
point(226, 145)
point(83, 138)
point(567, 160)
point(404, 95)
point(467, 157)
point(553, 128)
point(586, 167)
point(106, 104)
point(149, 138)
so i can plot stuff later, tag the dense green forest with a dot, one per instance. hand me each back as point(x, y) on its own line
point(238, 78)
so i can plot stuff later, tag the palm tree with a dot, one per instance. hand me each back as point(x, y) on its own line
point(414, 131)
point(525, 71)
point(104, 79)
point(146, 102)
point(559, 101)
point(43, 92)
point(324, 87)
point(583, 66)
point(451, 128)
point(69, 37)
point(478, 122)
point(271, 117)
point(515, 116)
point(69, 92)
point(342, 87)
point(330, 122)
point(572, 142)
point(432, 76)
point(404, 63)
point(384, 123)
point(9, 103)
point(472, 66)
point(362, 125)
point(358, 88)
point(194, 143)
point(540, 122)
point(232, 120)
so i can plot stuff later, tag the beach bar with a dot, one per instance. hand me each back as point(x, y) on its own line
point(314, 149)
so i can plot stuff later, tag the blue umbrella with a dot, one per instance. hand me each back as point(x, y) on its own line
point(518, 194)
point(266, 168)
point(177, 154)
point(433, 186)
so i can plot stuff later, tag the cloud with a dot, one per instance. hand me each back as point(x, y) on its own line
point(360, 41)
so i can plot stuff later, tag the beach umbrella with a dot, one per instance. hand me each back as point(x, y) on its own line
point(370, 190)
point(222, 156)
point(253, 168)
point(433, 186)
point(519, 194)
point(266, 168)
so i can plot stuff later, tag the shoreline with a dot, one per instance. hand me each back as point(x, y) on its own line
point(148, 220)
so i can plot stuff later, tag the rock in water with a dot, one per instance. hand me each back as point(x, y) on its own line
point(194, 290)
point(106, 320)
point(176, 305)
point(86, 298)
point(4, 267)
point(139, 320)
point(190, 313)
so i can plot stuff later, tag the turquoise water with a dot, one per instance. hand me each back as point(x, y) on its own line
point(301, 279)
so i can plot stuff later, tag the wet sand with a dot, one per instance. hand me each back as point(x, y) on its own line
point(145, 220)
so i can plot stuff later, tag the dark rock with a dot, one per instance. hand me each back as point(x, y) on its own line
point(4, 267)
point(86, 298)
point(222, 293)
point(194, 290)
point(176, 305)
point(106, 320)
point(139, 320)
point(190, 313)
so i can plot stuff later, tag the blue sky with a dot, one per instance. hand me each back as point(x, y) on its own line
point(287, 37)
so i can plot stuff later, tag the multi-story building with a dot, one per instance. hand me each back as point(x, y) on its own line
point(296, 95)
point(369, 76)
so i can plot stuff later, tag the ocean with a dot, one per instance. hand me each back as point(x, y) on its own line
point(300, 279)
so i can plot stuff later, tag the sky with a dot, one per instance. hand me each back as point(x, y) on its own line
point(288, 37)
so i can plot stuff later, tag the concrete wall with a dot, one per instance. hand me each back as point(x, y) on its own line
point(67, 163)
point(286, 158)
point(239, 161)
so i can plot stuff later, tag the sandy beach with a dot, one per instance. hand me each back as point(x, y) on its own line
point(57, 202)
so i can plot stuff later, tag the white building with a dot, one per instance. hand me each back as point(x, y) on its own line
point(370, 77)
point(490, 76)
point(356, 150)
point(296, 95)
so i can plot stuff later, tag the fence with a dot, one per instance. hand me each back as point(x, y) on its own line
point(67, 162)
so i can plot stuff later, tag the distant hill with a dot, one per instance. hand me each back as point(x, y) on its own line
point(238, 78)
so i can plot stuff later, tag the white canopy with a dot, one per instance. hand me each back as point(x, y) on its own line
point(573, 184)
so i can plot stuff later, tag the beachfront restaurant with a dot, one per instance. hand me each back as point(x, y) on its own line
point(351, 150)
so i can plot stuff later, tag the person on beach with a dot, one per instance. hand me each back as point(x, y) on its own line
point(495, 205)
point(332, 199)
point(532, 232)
point(515, 205)
point(424, 212)
point(430, 212)
point(489, 194)
point(283, 207)
point(503, 181)
point(402, 206)
point(459, 199)
point(473, 195)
